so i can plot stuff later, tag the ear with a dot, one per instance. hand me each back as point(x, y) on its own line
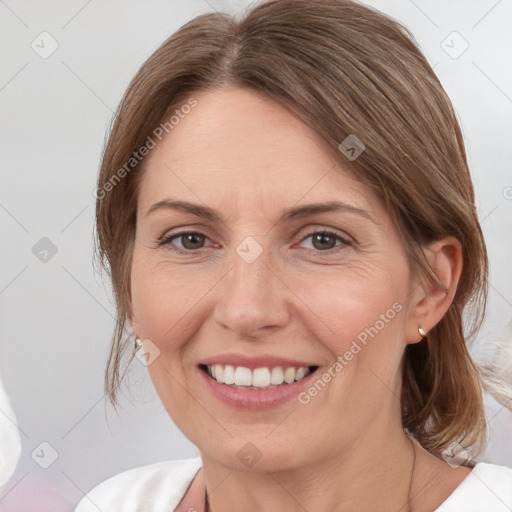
point(429, 301)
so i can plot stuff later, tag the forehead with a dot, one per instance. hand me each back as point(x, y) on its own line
point(237, 148)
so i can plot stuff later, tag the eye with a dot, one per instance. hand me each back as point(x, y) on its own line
point(190, 241)
point(322, 241)
point(325, 240)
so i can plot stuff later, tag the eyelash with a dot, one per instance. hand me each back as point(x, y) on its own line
point(167, 241)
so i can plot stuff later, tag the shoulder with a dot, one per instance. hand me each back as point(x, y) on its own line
point(156, 487)
point(10, 441)
point(487, 487)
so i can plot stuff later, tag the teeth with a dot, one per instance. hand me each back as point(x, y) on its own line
point(261, 378)
point(300, 373)
point(277, 376)
point(257, 378)
point(219, 372)
point(229, 374)
point(243, 376)
point(289, 375)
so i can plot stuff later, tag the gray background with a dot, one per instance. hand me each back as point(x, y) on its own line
point(57, 315)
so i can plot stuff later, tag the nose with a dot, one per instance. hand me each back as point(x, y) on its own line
point(254, 298)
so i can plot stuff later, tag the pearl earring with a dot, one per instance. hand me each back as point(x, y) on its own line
point(421, 331)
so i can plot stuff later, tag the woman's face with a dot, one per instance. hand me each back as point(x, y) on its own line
point(231, 271)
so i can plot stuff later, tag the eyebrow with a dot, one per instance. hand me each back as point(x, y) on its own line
point(297, 212)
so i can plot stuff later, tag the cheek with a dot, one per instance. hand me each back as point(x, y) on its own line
point(362, 327)
point(360, 317)
point(166, 305)
point(164, 300)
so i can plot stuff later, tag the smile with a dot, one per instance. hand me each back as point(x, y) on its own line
point(257, 378)
point(256, 382)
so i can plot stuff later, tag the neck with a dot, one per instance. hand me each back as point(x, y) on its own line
point(373, 474)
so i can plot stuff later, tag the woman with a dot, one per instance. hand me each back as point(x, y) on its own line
point(286, 210)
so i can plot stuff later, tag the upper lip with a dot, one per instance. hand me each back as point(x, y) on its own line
point(252, 362)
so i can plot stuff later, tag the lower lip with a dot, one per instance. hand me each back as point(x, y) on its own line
point(255, 399)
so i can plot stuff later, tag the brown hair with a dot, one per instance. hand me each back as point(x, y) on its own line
point(344, 69)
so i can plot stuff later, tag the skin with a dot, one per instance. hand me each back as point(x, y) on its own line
point(250, 159)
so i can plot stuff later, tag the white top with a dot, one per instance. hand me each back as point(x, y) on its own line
point(10, 442)
point(159, 487)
